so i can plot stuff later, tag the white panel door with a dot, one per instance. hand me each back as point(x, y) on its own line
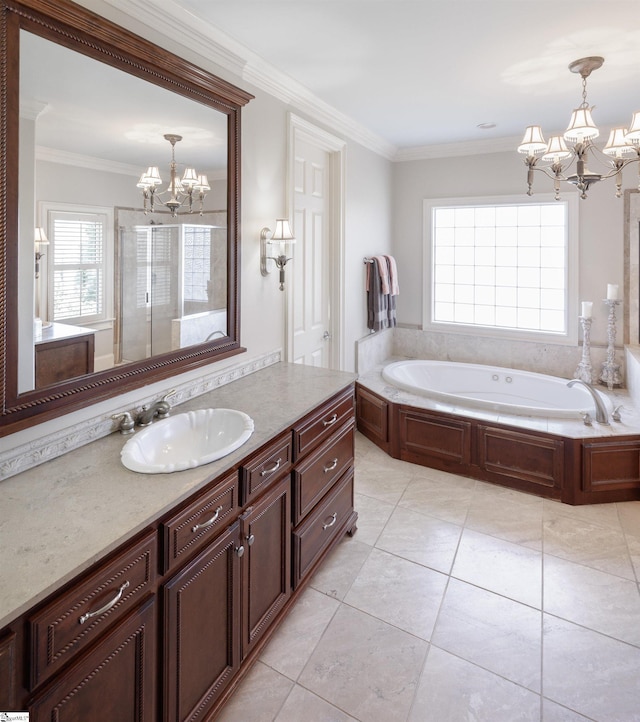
point(311, 301)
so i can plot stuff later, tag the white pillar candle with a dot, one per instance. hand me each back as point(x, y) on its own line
point(587, 307)
point(612, 292)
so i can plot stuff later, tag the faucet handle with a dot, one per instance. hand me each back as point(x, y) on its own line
point(163, 406)
point(615, 414)
point(588, 421)
point(127, 424)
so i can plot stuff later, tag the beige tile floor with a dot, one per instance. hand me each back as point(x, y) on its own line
point(458, 600)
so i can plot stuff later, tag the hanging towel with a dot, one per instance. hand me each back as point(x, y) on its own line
point(377, 302)
point(383, 270)
point(394, 289)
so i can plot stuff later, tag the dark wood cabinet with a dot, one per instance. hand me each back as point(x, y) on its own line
point(8, 671)
point(114, 680)
point(63, 352)
point(189, 602)
point(202, 629)
point(266, 536)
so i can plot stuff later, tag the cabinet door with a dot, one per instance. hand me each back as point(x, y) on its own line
point(115, 680)
point(266, 535)
point(202, 629)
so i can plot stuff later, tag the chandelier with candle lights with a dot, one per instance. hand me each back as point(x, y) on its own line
point(179, 192)
point(556, 157)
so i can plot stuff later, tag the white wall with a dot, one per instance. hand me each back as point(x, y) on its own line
point(601, 223)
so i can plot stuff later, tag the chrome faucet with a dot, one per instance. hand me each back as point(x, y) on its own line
point(160, 408)
point(602, 417)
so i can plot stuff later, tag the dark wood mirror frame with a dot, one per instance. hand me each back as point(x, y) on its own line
point(68, 24)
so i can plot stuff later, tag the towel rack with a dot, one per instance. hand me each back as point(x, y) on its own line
point(367, 260)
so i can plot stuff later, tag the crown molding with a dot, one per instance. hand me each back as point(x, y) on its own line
point(172, 21)
point(79, 160)
point(449, 150)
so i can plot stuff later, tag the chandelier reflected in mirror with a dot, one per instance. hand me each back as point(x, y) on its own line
point(556, 157)
point(180, 191)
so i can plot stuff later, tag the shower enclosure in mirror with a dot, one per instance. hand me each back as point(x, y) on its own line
point(122, 160)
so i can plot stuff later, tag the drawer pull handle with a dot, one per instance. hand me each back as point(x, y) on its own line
point(331, 466)
point(275, 467)
point(331, 421)
point(334, 516)
point(211, 521)
point(107, 606)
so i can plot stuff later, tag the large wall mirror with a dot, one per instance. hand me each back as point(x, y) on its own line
point(119, 211)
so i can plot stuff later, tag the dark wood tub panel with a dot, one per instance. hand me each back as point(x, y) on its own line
point(575, 471)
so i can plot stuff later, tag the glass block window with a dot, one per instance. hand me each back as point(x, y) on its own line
point(500, 265)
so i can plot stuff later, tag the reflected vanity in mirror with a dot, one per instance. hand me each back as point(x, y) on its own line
point(125, 158)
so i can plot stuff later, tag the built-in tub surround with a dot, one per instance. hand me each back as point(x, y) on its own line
point(553, 457)
point(61, 517)
point(495, 388)
point(543, 358)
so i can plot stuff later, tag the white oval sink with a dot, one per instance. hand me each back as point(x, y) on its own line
point(186, 440)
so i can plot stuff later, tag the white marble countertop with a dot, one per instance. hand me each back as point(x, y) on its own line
point(571, 428)
point(62, 516)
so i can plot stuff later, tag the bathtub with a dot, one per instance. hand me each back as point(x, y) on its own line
point(493, 388)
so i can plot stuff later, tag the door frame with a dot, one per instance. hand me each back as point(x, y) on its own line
point(300, 129)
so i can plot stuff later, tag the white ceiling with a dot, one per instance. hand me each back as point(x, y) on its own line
point(419, 73)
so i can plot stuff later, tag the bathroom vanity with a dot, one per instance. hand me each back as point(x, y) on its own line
point(146, 597)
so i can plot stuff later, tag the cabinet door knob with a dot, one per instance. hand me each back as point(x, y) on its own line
point(334, 516)
point(107, 606)
point(207, 523)
point(240, 551)
point(250, 539)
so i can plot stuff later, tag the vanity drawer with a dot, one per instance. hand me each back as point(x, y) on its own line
point(195, 526)
point(268, 465)
point(315, 534)
point(78, 616)
point(319, 425)
point(313, 478)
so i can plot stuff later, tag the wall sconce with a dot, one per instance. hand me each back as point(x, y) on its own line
point(41, 240)
point(282, 235)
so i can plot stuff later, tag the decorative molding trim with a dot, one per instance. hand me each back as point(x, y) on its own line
point(49, 447)
point(78, 160)
point(214, 45)
point(63, 157)
point(449, 150)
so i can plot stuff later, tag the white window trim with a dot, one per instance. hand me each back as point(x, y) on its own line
point(44, 210)
point(572, 306)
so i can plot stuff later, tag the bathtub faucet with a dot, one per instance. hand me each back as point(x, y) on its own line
point(602, 417)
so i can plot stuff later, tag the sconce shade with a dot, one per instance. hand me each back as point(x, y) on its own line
point(282, 233)
point(41, 236)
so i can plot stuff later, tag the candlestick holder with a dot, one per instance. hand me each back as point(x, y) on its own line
point(584, 370)
point(610, 374)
